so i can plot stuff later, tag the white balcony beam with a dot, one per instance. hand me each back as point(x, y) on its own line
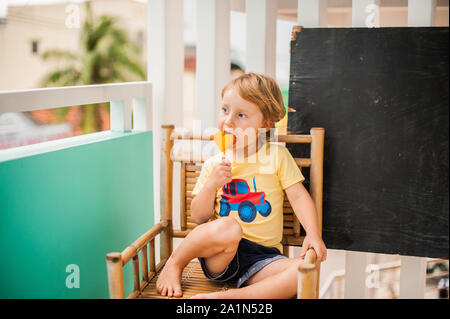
point(412, 277)
point(261, 36)
point(355, 275)
point(366, 13)
point(421, 13)
point(165, 69)
point(212, 58)
point(413, 269)
point(165, 56)
point(312, 13)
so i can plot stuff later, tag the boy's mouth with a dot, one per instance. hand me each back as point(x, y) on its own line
point(224, 140)
point(228, 132)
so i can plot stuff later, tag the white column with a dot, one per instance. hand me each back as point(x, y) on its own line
point(421, 13)
point(355, 275)
point(165, 56)
point(165, 68)
point(312, 13)
point(412, 277)
point(261, 24)
point(366, 13)
point(413, 269)
point(212, 58)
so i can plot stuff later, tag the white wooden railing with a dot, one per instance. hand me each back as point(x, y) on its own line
point(165, 69)
point(333, 285)
point(122, 97)
point(131, 109)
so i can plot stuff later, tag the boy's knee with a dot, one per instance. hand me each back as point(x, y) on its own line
point(227, 229)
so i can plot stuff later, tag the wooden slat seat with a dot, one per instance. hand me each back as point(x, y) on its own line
point(193, 282)
point(142, 251)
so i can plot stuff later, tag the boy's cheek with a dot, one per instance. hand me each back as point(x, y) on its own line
point(245, 139)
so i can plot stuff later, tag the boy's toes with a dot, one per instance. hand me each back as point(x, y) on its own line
point(178, 293)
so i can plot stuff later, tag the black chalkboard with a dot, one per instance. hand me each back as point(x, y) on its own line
point(382, 96)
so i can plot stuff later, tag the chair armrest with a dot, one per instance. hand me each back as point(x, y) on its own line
point(307, 276)
point(115, 262)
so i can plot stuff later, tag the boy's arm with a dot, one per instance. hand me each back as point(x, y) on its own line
point(202, 205)
point(305, 211)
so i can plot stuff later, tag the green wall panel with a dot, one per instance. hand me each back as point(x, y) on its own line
point(73, 206)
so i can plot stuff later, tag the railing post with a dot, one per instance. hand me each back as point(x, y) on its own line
point(142, 111)
point(120, 114)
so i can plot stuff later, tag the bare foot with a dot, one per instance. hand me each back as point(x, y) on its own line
point(168, 283)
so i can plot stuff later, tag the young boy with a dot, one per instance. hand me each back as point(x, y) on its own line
point(244, 243)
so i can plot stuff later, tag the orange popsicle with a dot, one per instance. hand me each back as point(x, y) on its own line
point(224, 140)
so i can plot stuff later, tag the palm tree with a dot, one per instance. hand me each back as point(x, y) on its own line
point(106, 56)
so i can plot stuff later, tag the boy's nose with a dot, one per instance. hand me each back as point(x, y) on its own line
point(229, 121)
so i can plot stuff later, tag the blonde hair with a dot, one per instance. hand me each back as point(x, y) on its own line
point(262, 91)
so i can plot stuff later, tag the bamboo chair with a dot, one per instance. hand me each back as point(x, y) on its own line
point(193, 281)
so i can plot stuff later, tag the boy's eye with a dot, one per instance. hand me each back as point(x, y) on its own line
point(242, 115)
point(224, 109)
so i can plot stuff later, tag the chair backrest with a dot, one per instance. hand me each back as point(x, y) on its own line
point(191, 167)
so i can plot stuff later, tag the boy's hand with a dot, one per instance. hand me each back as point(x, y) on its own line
point(319, 246)
point(221, 173)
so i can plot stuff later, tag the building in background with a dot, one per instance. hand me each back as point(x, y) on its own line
point(30, 30)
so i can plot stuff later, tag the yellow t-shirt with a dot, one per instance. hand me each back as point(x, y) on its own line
point(255, 195)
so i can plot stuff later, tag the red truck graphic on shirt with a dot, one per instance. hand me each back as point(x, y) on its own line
point(237, 197)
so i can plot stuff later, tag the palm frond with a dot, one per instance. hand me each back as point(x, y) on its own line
point(59, 54)
point(106, 55)
point(98, 33)
point(58, 77)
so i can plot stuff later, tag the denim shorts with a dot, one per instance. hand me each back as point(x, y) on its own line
point(249, 259)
